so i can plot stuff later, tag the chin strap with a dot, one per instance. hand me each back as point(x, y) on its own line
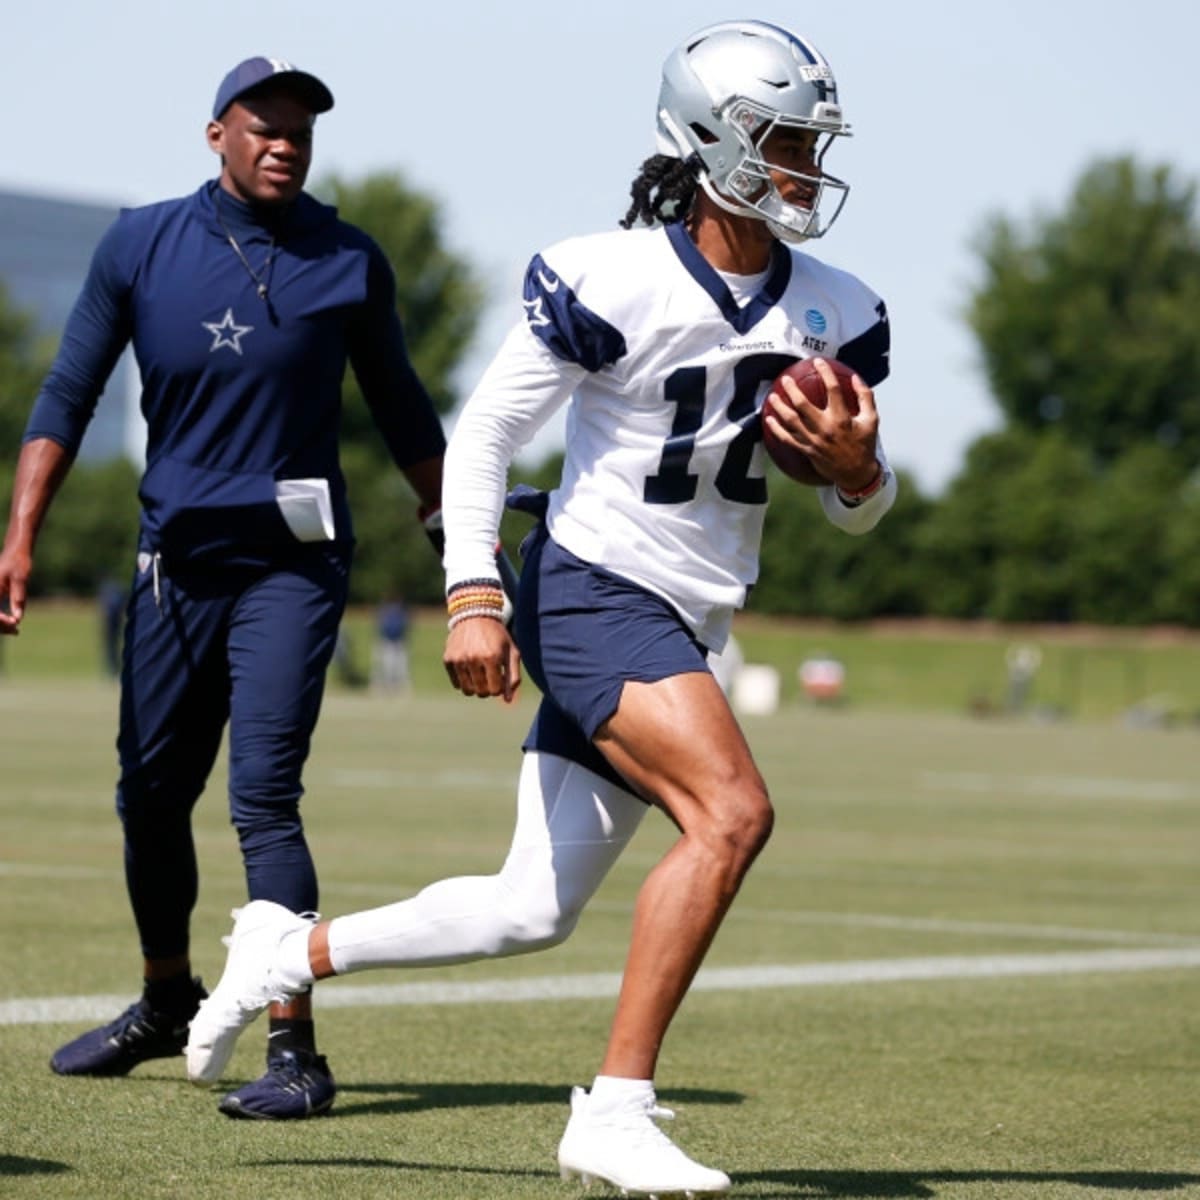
point(741, 209)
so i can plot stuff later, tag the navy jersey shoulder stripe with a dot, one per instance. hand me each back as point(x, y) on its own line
point(568, 327)
point(868, 353)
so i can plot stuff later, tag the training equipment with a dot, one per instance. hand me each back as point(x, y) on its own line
point(626, 1149)
point(724, 91)
point(247, 986)
point(298, 1084)
point(138, 1034)
point(804, 374)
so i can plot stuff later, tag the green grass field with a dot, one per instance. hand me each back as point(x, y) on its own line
point(1031, 890)
point(950, 668)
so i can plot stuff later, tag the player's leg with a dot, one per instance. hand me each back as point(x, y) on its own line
point(282, 634)
point(629, 675)
point(172, 712)
point(571, 827)
point(678, 743)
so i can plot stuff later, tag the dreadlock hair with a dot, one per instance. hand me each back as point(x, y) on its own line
point(663, 190)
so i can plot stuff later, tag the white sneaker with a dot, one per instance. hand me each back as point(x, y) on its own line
point(626, 1149)
point(247, 986)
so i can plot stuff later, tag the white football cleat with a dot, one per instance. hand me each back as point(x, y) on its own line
point(247, 986)
point(626, 1149)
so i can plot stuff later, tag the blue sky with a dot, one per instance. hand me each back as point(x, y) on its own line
point(527, 120)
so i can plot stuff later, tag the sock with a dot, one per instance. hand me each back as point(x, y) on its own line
point(290, 1033)
point(176, 996)
point(291, 959)
point(612, 1092)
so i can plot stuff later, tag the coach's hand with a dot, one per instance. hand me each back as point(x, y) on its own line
point(482, 659)
point(41, 467)
point(15, 566)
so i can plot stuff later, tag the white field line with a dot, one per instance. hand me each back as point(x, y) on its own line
point(604, 985)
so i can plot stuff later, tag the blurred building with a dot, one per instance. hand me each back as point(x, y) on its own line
point(46, 245)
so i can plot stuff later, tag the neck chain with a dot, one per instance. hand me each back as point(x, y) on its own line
point(262, 279)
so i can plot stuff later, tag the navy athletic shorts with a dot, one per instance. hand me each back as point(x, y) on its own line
point(583, 633)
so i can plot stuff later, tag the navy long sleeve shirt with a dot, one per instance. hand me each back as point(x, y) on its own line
point(238, 391)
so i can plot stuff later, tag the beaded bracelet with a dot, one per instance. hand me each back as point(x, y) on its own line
point(474, 598)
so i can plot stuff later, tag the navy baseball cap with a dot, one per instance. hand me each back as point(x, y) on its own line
point(255, 72)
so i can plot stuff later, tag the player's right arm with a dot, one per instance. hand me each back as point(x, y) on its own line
point(521, 389)
point(41, 468)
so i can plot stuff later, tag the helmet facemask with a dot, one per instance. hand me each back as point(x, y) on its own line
point(747, 188)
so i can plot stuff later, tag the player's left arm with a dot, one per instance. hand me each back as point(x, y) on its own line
point(858, 509)
point(860, 512)
point(829, 443)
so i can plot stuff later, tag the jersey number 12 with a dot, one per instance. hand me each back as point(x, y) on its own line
point(672, 483)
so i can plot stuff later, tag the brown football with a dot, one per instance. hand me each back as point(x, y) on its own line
point(804, 374)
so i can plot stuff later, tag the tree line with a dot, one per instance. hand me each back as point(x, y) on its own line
point(1084, 506)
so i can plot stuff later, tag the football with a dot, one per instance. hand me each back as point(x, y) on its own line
point(804, 374)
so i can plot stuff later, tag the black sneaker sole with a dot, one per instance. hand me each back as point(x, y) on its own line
point(238, 1113)
point(115, 1070)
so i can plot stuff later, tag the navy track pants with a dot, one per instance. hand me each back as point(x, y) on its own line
point(238, 645)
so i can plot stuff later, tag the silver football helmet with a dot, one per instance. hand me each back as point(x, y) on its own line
point(724, 91)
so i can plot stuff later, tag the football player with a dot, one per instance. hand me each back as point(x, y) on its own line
point(664, 340)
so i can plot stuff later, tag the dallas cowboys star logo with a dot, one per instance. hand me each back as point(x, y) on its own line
point(227, 332)
point(536, 314)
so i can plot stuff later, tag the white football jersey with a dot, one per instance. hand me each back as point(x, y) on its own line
point(664, 477)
